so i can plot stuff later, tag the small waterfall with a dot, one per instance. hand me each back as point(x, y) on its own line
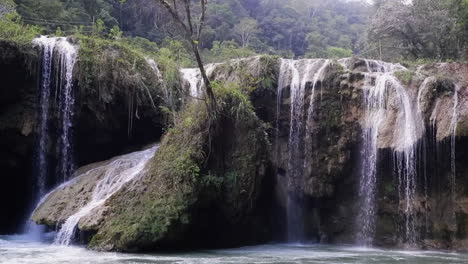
point(453, 137)
point(193, 77)
point(68, 55)
point(114, 176)
point(423, 90)
point(58, 60)
point(406, 160)
point(405, 144)
point(299, 76)
point(48, 46)
point(374, 100)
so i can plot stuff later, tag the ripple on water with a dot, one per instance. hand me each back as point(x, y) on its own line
point(17, 250)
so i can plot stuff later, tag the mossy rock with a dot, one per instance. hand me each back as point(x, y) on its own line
point(197, 166)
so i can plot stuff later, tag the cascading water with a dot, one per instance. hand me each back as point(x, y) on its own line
point(374, 100)
point(406, 160)
point(114, 176)
point(298, 75)
point(58, 60)
point(405, 148)
point(193, 77)
point(68, 55)
point(453, 137)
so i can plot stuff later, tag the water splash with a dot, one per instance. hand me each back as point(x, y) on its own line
point(114, 176)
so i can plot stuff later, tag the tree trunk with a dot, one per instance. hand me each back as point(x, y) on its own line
point(209, 89)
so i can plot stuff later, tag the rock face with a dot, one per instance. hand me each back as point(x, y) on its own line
point(17, 124)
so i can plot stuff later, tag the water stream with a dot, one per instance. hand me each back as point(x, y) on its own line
point(114, 176)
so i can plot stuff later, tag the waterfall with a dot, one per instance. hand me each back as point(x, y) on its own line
point(405, 138)
point(406, 160)
point(300, 76)
point(193, 77)
point(423, 90)
point(68, 55)
point(58, 60)
point(114, 176)
point(453, 137)
point(374, 101)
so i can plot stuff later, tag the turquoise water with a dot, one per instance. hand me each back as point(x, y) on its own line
point(17, 249)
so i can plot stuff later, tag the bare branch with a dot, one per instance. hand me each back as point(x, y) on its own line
point(201, 21)
point(189, 16)
point(174, 14)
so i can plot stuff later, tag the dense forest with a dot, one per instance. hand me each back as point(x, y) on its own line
point(389, 30)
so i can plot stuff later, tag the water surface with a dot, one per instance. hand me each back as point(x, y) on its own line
point(17, 249)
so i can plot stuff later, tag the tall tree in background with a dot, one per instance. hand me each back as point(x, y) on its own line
point(192, 28)
point(421, 29)
point(245, 30)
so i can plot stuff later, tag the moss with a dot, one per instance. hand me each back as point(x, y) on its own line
point(158, 209)
point(406, 77)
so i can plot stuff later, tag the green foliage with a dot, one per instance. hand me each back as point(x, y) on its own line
point(226, 51)
point(427, 29)
point(405, 76)
point(67, 15)
point(99, 28)
point(331, 53)
point(337, 53)
point(115, 33)
point(287, 28)
point(12, 29)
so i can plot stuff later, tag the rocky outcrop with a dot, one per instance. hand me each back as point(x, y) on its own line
point(199, 184)
point(17, 124)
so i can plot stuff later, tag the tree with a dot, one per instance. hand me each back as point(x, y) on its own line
point(192, 33)
point(422, 29)
point(245, 30)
